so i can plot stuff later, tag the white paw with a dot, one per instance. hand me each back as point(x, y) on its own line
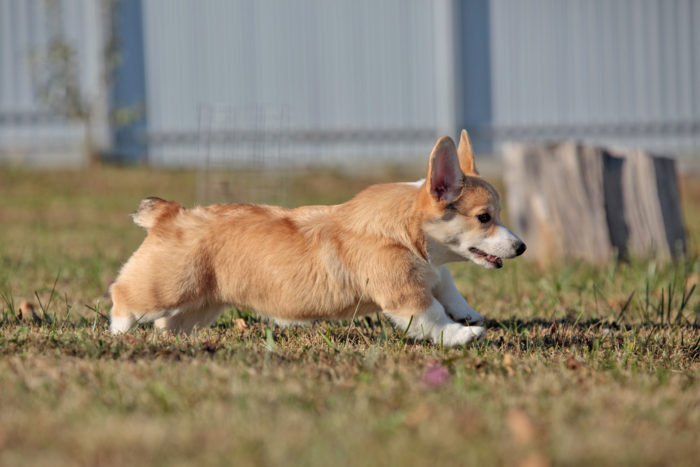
point(119, 324)
point(456, 334)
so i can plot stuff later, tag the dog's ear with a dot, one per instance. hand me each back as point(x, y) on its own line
point(466, 154)
point(445, 178)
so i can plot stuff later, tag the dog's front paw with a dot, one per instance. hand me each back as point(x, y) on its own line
point(456, 334)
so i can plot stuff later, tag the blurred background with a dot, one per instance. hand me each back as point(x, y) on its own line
point(225, 83)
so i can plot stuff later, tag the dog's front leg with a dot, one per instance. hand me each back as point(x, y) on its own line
point(432, 323)
point(455, 305)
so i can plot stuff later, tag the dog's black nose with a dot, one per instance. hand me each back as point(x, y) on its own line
point(520, 249)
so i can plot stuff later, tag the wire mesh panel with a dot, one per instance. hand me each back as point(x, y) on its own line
point(242, 154)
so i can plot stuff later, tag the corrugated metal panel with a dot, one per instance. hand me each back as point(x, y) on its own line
point(618, 72)
point(347, 71)
point(30, 132)
point(622, 72)
point(361, 77)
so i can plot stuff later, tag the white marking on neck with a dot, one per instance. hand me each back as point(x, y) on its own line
point(416, 184)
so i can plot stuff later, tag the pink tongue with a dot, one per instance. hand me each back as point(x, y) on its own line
point(495, 260)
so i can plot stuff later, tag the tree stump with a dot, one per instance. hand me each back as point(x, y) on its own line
point(569, 200)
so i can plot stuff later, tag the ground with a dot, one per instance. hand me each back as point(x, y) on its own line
point(582, 364)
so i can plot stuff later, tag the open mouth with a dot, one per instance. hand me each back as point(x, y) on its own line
point(494, 260)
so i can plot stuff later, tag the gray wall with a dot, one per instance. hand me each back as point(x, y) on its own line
point(31, 132)
point(354, 77)
point(620, 72)
point(321, 80)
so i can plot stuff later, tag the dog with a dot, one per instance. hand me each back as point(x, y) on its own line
point(384, 250)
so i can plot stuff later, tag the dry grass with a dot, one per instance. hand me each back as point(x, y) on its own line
point(581, 365)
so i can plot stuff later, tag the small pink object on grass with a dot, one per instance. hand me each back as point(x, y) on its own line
point(436, 375)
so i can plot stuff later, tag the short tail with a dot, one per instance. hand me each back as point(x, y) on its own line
point(151, 210)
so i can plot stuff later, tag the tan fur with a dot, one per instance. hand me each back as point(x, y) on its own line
point(314, 262)
point(466, 154)
point(249, 256)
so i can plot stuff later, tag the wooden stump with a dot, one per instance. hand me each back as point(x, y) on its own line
point(570, 200)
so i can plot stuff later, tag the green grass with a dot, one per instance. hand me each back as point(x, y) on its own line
point(581, 364)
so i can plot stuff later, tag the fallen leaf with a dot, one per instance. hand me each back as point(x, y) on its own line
point(572, 363)
point(26, 312)
point(131, 339)
point(534, 459)
point(417, 415)
point(240, 324)
point(508, 364)
point(521, 427)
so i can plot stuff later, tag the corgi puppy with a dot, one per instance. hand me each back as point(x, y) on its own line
point(384, 250)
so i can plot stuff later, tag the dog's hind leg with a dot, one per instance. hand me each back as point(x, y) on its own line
point(189, 319)
point(455, 305)
point(120, 321)
point(285, 323)
point(121, 318)
point(434, 324)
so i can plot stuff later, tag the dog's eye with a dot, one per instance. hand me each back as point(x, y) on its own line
point(484, 218)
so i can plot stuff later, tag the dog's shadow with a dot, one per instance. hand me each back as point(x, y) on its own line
point(590, 334)
point(507, 335)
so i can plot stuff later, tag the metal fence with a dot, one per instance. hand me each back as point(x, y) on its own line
point(362, 78)
point(48, 49)
point(621, 72)
point(357, 77)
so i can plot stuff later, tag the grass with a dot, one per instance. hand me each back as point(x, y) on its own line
point(581, 364)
